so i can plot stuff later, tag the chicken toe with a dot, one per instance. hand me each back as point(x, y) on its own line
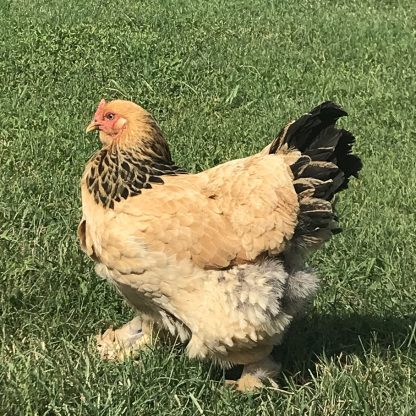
point(126, 341)
point(255, 374)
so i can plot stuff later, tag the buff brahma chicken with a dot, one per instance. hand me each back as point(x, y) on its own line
point(217, 258)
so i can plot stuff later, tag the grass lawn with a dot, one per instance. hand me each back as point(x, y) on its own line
point(221, 78)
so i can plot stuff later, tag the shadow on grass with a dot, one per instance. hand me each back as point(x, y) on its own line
point(311, 339)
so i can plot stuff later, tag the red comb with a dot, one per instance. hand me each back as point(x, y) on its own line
point(100, 110)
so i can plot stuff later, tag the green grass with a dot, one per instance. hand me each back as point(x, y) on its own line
point(221, 78)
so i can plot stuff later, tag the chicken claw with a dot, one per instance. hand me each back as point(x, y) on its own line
point(126, 341)
point(255, 374)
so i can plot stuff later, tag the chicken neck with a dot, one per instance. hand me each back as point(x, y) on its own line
point(118, 171)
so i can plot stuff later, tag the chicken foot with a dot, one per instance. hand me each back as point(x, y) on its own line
point(126, 341)
point(255, 374)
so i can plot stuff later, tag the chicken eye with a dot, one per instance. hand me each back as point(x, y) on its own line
point(110, 116)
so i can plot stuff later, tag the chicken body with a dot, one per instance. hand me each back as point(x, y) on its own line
point(215, 258)
point(190, 264)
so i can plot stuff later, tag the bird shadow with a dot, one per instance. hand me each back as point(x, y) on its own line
point(313, 338)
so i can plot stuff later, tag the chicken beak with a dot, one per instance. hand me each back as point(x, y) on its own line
point(92, 126)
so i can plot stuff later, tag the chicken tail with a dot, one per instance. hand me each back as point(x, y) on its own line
point(323, 169)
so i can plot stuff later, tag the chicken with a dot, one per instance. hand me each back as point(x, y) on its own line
point(217, 258)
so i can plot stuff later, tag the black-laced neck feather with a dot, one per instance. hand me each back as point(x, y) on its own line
point(117, 173)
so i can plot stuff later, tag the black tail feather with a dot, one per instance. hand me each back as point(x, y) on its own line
point(306, 129)
point(324, 168)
